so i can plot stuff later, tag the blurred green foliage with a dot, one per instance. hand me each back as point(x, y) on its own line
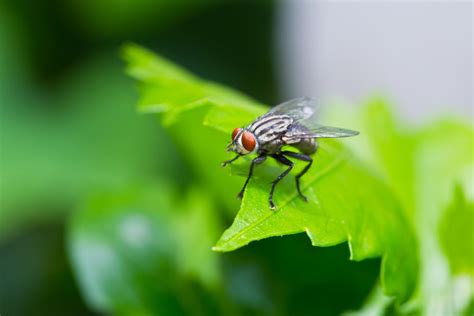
point(81, 139)
point(423, 166)
point(142, 249)
point(459, 251)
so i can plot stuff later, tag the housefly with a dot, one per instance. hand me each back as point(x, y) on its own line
point(290, 123)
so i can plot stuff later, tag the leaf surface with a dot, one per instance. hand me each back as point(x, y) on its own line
point(347, 202)
point(422, 166)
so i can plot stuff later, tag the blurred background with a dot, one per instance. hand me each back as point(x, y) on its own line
point(419, 53)
point(69, 129)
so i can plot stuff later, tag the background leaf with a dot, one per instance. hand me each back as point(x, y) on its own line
point(422, 166)
point(443, 159)
point(456, 231)
point(128, 256)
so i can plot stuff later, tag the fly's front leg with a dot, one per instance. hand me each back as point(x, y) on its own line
point(285, 161)
point(225, 163)
point(302, 157)
point(255, 161)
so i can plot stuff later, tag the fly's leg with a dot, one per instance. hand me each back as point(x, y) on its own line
point(302, 157)
point(225, 163)
point(255, 161)
point(284, 161)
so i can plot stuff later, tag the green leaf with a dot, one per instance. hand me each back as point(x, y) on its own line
point(443, 158)
point(421, 166)
point(168, 87)
point(388, 139)
point(456, 234)
point(347, 202)
point(188, 106)
point(341, 207)
point(387, 147)
point(385, 143)
point(141, 250)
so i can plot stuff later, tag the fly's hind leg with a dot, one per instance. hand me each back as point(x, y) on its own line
point(302, 157)
point(285, 161)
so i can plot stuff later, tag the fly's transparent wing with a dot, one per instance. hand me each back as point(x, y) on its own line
point(322, 131)
point(304, 108)
point(304, 113)
point(318, 131)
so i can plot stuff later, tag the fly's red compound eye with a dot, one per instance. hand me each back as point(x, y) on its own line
point(248, 141)
point(235, 132)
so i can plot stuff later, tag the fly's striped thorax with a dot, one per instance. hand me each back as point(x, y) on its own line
point(270, 127)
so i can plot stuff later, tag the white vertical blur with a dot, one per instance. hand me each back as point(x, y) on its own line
point(419, 53)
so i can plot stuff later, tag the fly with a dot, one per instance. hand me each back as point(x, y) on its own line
point(290, 123)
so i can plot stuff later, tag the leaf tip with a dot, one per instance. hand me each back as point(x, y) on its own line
point(224, 245)
point(129, 49)
point(310, 236)
point(218, 248)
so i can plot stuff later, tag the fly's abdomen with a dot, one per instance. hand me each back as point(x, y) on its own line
point(307, 146)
